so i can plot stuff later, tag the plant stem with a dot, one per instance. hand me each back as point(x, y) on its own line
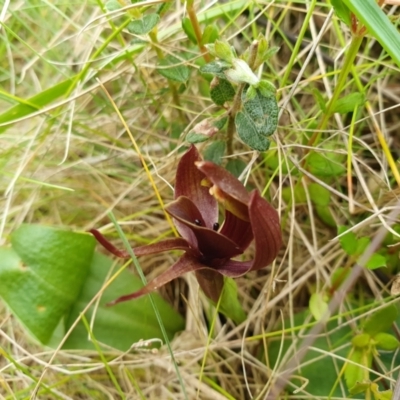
point(197, 30)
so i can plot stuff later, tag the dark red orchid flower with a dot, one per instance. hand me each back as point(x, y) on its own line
point(208, 249)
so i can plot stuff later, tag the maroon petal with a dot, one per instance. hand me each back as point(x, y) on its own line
point(210, 243)
point(234, 269)
point(226, 188)
point(184, 210)
point(211, 283)
point(165, 245)
point(267, 236)
point(237, 229)
point(266, 229)
point(185, 264)
point(189, 183)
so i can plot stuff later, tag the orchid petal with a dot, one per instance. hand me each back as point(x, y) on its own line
point(266, 229)
point(237, 230)
point(267, 236)
point(188, 183)
point(159, 247)
point(226, 188)
point(210, 243)
point(211, 283)
point(234, 269)
point(185, 264)
point(183, 210)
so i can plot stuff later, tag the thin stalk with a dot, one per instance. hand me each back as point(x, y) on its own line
point(298, 45)
point(344, 73)
point(379, 133)
point(197, 29)
point(153, 304)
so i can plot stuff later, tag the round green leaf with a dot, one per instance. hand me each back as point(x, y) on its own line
point(41, 276)
point(318, 306)
point(248, 132)
point(258, 118)
point(144, 25)
point(221, 91)
point(361, 340)
point(386, 341)
point(173, 69)
point(215, 151)
point(381, 320)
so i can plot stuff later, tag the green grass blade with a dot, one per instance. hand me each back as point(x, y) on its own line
point(33, 104)
point(378, 25)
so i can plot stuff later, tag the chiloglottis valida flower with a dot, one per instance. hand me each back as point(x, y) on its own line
point(208, 248)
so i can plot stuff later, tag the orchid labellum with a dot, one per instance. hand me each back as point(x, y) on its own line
point(208, 248)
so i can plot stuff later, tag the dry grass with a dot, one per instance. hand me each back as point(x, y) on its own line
point(71, 163)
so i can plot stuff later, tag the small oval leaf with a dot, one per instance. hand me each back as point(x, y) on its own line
point(144, 25)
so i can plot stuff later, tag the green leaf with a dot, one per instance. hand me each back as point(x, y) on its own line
point(376, 261)
point(175, 70)
point(193, 137)
point(210, 34)
point(124, 324)
point(41, 276)
point(382, 395)
point(360, 387)
point(354, 374)
point(264, 52)
point(325, 214)
point(221, 91)
point(230, 305)
point(266, 88)
point(248, 132)
point(361, 340)
point(215, 151)
point(362, 244)
point(318, 306)
point(297, 192)
point(143, 25)
point(325, 165)
point(215, 68)
point(235, 166)
point(320, 99)
point(385, 341)
point(188, 29)
point(342, 11)
point(257, 120)
point(378, 24)
point(263, 109)
point(319, 195)
point(223, 51)
point(381, 320)
point(112, 5)
point(348, 241)
point(348, 103)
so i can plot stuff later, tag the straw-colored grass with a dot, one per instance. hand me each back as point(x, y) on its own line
point(72, 162)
